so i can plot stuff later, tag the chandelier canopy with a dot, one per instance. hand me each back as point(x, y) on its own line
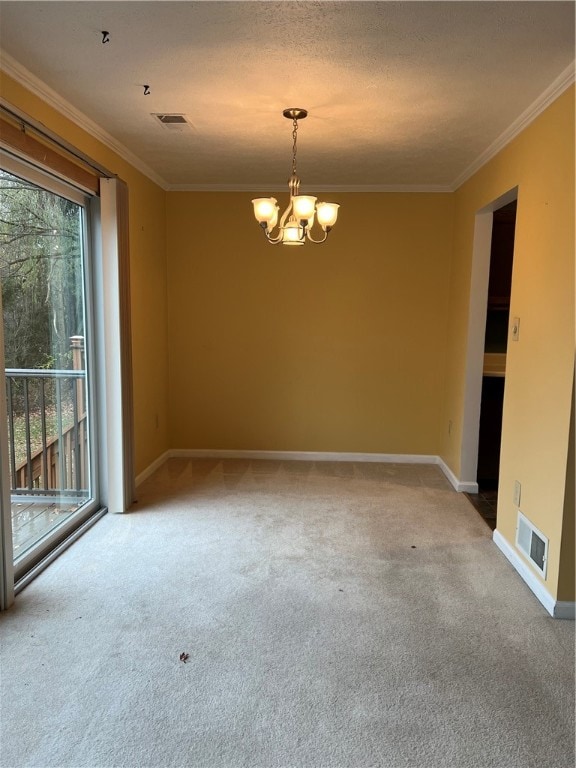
point(295, 224)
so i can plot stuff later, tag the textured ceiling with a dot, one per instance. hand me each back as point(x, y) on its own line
point(398, 93)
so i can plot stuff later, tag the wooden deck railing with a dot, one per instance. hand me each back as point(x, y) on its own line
point(47, 423)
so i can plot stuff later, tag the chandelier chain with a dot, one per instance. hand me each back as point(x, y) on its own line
point(294, 133)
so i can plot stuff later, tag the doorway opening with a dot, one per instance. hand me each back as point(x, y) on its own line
point(494, 360)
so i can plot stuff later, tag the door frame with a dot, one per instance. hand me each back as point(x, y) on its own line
point(475, 340)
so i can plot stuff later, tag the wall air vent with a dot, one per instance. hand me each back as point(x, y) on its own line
point(532, 543)
point(174, 121)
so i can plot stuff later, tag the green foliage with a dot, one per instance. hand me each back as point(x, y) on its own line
point(40, 274)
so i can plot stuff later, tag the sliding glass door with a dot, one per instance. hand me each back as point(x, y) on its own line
point(45, 275)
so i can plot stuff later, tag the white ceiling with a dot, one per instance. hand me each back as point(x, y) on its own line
point(398, 93)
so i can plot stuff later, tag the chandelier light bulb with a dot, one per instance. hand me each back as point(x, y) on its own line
point(303, 206)
point(264, 209)
point(295, 225)
point(327, 213)
point(292, 233)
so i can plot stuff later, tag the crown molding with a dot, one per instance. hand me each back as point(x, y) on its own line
point(274, 188)
point(554, 90)
point(32, 83)
point(24, 77)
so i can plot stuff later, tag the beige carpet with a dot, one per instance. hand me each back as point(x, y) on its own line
point(334, 616)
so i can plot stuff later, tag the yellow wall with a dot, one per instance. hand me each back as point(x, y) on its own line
point(335, 347)
point(148, 274)
point(539, 372)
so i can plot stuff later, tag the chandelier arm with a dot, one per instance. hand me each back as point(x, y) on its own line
point(309, 236)
point(285, 214)
point(294, 185)
point(274, 240)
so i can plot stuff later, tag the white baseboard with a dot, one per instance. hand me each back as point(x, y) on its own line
point(556, 609)
point(156, 464)
point(462, 486)
point(384, 458)
point(565, 610)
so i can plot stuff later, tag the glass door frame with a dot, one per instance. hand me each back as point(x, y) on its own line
point(51, 543)
point(6, 548)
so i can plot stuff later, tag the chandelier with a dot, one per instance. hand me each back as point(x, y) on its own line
point(298, 218)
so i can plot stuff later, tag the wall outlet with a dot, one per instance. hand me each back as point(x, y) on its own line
point(517, 493)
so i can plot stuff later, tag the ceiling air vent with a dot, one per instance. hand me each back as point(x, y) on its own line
point(532, 543)
point(174, 121)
